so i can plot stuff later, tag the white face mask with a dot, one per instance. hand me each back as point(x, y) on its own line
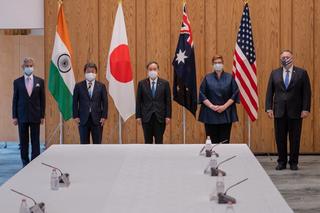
point(218, 67)
point(28, 70)
point(153, 74)
point(90, 76)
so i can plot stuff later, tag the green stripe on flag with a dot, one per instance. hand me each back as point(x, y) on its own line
point(60, 92)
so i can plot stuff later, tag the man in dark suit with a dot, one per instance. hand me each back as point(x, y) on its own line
point(288, 101)
point(153, 105)
point(28, 109)
point(90, 106)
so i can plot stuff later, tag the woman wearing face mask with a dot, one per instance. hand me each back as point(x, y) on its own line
point(90, 106)
point(153, 105)
point(218, 96)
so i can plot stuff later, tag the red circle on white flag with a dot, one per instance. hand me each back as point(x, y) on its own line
point(120, 66)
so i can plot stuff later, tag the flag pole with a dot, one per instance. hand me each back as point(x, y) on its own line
point(47, 143)
point(184, 124)
point(61, 128)
point(249, 132)
point(120, 130)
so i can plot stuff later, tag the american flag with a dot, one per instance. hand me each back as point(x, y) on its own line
point(244, 66)
point(184, 76)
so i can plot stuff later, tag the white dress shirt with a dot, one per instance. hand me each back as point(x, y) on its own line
point(91, 88)
point(26, 82)
point(30, 76)
point(155, 83)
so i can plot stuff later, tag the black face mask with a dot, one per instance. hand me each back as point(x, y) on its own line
point(286, 61)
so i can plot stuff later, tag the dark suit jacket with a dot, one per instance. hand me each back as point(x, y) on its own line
point(294, 99)
point(146, 105)
point(28, 108)
point(82, 102)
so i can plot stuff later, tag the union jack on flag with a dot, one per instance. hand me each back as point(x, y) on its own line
point(244, 66)
point(186, 28)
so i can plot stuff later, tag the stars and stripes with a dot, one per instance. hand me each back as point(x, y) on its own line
point(244, 66)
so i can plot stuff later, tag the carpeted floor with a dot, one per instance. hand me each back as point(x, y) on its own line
point(301, 189)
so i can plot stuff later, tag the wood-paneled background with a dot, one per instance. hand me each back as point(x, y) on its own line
point(13, 49)
point(153, 28)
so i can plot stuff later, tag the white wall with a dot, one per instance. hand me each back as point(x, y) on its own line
point(21, 14)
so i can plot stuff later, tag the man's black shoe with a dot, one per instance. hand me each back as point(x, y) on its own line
point(280, 167)
point(294, 167)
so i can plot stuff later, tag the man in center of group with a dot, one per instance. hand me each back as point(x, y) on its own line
point(153, 105)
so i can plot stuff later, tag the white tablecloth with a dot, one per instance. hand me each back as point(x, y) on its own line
point(142, 179)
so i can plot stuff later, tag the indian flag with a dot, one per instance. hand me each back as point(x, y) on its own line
point(61, 77)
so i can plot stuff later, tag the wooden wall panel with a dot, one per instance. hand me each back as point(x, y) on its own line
point(84, 39)
point(107, 11)
point(266, 12)
point(303, 50)
point(228, 20)
point(153, 29)
point(197, 14)
point(210, 47)
point(141, 52)
point(316, 77)
point(285, 28)
point(52, 113)
point(176, 125)
point(82, 19)
point(32, 46)
point(12, 52)
point(158, 41)
point(10, 68)
point(129, 7)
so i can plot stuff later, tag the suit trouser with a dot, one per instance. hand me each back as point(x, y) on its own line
point(218, 132)
point(283, 127)
point(155, 129)
point(24, 141)
point(90, 128)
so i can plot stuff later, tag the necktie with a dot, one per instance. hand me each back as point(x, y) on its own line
point(153, 89)
point(29, 86)
point(286, 80)
point(90, 89)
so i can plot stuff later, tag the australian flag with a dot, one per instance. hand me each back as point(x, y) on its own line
point(185, 81)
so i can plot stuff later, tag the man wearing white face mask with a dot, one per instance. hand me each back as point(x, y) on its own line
point(28, 109)
point(218, 96)
point(90, 106)
point(153, 105)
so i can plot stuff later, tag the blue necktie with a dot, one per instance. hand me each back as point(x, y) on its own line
point(90, 89)
point(153, 89)
point(286, 80)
